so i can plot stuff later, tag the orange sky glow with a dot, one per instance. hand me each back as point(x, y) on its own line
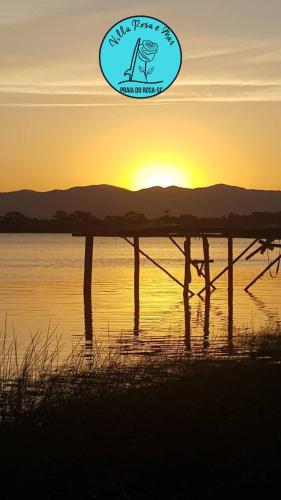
point(62, 125)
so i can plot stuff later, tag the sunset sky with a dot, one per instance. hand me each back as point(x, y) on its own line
point(63, 125)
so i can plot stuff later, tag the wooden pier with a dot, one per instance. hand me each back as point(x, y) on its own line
point(262, 240)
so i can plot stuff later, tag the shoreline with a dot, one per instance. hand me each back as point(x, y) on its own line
point(183, 438)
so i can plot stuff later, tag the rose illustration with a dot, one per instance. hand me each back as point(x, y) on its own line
point(147, 50)
point(146, 53)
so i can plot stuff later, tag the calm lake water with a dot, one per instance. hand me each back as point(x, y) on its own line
point(42, 282)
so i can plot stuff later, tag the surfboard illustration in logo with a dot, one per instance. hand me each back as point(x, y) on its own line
point(140, 57)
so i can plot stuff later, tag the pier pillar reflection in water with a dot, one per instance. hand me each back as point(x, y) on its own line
point(88, 317)
point(230, 292)
point(207, 320)
point(207, 290)
point(88, 323)
point(187, 281)
point(136, 285)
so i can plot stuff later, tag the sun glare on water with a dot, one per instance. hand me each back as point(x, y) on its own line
point(160, 175)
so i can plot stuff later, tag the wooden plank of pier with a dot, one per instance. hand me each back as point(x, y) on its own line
point(181, 231)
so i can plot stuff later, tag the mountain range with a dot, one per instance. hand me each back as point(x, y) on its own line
point(103, 200)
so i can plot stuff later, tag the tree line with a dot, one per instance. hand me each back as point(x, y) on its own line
point(81, 221)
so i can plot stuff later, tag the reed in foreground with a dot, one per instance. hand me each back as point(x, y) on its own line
point(167, 427)
point(35, 382)
point(39, 379)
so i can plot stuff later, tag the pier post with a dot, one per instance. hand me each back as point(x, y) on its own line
point(136, 285)
point(230, 288)
point(88, 264)
point(187, 281)
point(206, 264)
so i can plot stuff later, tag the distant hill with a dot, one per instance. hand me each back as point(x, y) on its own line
point(104, 200)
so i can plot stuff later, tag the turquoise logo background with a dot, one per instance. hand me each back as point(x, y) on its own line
point(140, 57)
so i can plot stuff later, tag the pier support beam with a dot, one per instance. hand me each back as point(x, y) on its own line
point(230, 288)
point(187, 281)
point(194, 263)
point(275, 261)
point(234, 262)
point(157, 265)
point(136, 285)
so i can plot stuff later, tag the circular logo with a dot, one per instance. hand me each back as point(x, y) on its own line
point(140, 56)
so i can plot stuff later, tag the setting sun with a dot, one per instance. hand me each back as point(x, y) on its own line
point(162, 175)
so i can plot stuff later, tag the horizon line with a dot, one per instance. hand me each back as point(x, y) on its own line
point(222, 184)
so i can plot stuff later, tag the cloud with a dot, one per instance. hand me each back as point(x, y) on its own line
point(49, 50)
point(103, 95)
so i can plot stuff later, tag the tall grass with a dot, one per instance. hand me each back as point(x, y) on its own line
point(39, 379)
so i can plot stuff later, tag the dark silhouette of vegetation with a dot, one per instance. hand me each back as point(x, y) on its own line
point(212, 430)
point(63, 222)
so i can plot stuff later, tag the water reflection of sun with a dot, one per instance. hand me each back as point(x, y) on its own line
point(163, 175)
